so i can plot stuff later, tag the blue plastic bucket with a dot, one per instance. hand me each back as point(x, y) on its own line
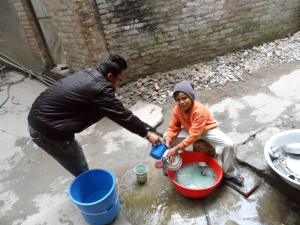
point(95, 195)
point(158, 151)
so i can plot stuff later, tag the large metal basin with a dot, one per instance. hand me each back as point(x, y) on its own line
point(283, 138)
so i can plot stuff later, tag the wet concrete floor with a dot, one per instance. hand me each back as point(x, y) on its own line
point(157, 202)
point(33, 187)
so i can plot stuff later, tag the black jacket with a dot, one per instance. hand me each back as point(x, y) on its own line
point(75, 103)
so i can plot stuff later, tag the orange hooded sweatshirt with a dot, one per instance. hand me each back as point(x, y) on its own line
point(196, 121)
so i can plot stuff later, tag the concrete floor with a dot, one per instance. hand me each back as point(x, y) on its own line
point(33, 188)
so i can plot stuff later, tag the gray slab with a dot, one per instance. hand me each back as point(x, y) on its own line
point(149, 113)
point(252, 154)
point(251, 182)
point(167, 117)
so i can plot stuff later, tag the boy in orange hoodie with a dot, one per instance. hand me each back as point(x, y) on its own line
point(198, 124)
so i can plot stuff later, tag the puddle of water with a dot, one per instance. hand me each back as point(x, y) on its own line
point(7, 200)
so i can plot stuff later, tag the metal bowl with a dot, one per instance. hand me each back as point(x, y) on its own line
point(281, 139)
point(173, 166)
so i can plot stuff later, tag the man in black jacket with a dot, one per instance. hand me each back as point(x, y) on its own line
point(75, 103)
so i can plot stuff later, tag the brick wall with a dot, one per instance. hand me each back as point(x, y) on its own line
point(80, 31)
point(160, 35)
point(31, 32)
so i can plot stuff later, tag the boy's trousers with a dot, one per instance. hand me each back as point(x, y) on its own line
point(223, 145)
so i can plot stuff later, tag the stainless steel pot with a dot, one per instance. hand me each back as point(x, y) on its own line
point(173, 166)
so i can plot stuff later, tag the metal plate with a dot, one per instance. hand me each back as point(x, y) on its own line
point(293, 148)
point(175, 165)
point(293, 163)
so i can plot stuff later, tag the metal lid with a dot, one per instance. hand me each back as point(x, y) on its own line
point(173, 166)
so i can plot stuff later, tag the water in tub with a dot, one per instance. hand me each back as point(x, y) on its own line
point(190, 176)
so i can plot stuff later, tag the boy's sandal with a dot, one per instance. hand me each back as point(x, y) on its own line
point(165, 171)
point(235, 179)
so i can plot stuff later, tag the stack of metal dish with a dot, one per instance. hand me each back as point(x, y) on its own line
point(282, 141)
point(286, 159)
point(172, 166)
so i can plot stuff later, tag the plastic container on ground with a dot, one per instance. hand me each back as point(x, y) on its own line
point(95, 195)
point(280, 139)
point(191, 157)
point(141, 173)
point(158, 150)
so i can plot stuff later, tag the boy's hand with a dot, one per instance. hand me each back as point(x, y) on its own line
point(168, 143)
point(172, 153)
point(153, 139)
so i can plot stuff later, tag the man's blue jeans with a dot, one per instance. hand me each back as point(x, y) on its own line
point(68, 153)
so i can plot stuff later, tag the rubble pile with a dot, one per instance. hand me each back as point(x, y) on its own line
point(213, 74)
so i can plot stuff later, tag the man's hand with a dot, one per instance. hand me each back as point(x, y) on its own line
point(172, 153)
point(153, 139)
point(168, 143)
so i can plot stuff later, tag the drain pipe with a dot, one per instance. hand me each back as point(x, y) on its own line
point(206, 212)
point(10, 62)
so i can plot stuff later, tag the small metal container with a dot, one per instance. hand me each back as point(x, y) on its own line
point(202, 164)
point(175, 165)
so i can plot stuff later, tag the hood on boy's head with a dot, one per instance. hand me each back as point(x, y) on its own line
point(186, 87)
